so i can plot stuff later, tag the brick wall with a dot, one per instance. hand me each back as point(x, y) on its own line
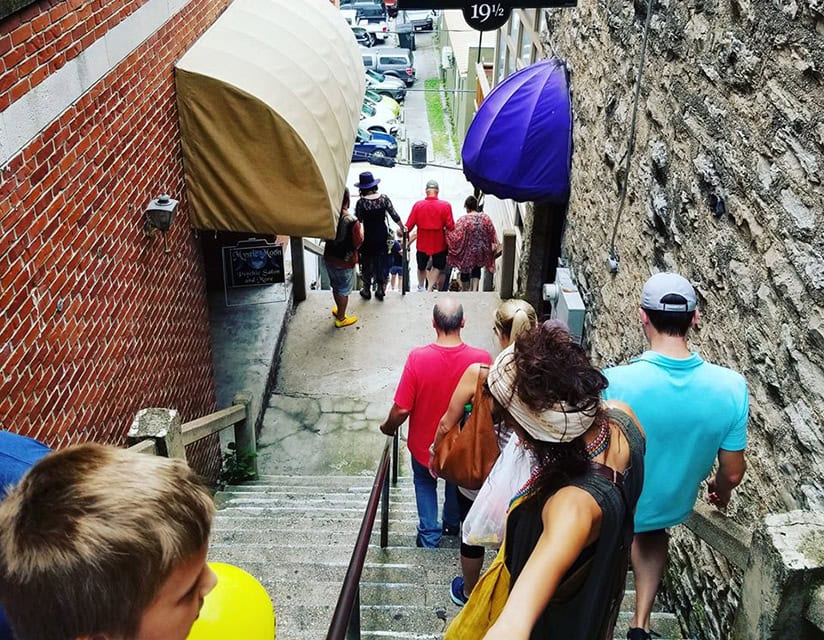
point(732, 107)
point(96, 321)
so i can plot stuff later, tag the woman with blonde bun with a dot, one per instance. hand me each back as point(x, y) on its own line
point(512, 318)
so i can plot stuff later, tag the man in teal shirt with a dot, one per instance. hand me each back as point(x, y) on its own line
point(693, 412)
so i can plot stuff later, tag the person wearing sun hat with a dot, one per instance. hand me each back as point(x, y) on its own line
point(568, 530)
point(693, 412)
point(371, 210)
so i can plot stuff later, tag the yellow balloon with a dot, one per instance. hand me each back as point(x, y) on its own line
point(238, 607)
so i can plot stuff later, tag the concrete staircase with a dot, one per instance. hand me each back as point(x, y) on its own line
point(296, 534)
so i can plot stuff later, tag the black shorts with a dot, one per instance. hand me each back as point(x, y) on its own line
point(438, 260)
point(467, 550)
point(475, 273)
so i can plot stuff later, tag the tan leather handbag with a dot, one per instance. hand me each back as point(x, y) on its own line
point(466, 454)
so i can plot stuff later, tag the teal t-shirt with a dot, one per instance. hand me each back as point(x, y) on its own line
point(689, 410)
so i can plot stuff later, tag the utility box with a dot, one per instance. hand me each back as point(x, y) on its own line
point(567, 303)
point(417, 153)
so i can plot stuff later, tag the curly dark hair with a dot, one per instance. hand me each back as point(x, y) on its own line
point(550, 368)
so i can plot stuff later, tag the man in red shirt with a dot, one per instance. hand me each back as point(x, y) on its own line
point(429, 377)
point(433, 217)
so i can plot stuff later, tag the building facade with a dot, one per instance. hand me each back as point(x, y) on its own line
point(96, 321)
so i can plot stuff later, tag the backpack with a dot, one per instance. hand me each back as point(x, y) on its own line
point(343, 246)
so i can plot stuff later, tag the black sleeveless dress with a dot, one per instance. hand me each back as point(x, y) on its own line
point(587, 602)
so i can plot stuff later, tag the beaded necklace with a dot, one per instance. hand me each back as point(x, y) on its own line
point(600, 443)
point(592, 451)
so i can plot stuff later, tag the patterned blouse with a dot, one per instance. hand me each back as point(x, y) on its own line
point(472, 242)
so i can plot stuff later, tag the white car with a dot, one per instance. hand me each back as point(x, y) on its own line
point(371, 120)
point(383, 111)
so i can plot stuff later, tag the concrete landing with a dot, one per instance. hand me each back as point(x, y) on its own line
point(335, 386)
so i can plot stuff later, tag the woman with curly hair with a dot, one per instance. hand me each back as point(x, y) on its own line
point(512, 318)
point(569, 529)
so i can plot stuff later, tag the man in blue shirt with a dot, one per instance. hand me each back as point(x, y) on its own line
point(693, 413)
point(17, 455)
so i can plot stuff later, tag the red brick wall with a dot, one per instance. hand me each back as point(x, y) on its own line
point(133, 331)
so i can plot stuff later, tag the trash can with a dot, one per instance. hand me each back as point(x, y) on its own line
point(417, 153)
point(406, 35)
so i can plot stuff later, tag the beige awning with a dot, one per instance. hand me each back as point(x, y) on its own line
point(269, 100)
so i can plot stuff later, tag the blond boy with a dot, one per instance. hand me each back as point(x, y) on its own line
point(100, 543)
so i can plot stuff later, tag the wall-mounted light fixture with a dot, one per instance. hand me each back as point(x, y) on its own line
point(159, 215)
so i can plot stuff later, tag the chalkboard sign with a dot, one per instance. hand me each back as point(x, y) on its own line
point(254, 264)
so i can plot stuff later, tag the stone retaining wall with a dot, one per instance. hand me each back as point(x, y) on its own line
point(725, 187)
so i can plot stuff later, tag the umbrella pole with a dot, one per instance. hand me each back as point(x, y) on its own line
point(480, 40)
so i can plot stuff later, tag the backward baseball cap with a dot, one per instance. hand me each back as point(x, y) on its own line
point(432, 184)
point(666, 284)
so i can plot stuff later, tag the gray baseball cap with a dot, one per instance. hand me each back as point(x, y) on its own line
point(664, 284)
point(432, 184)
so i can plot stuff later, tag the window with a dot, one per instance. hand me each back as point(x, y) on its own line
point(394, 60)
point(367, 61)
point(526, 48)
point(501, 56)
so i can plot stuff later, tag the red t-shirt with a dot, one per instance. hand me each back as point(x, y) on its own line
point(429, 378)
point(432, 217)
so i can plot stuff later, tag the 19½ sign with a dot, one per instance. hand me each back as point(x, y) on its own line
point(486, 16)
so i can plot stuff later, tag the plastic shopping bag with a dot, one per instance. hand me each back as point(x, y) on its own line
point(485, 522)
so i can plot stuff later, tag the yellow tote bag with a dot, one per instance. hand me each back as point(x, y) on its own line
point(488, 597)
point(485, 604)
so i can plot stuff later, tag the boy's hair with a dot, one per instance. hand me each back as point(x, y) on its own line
point(671, 323)
point(90, 534)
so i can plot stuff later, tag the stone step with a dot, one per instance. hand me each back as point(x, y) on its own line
point(247, 532)
point(420, 620)
point(363, 480)
point(305, 503)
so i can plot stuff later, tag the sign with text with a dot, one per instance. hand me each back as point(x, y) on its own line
point(501, 5)
point(254, 264)
point(486, 16)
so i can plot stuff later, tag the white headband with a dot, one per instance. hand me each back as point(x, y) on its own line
point(558, 424)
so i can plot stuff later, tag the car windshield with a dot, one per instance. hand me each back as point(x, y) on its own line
point(373, 96)
point(375, 75)
point(368, 109)
point(363, 135)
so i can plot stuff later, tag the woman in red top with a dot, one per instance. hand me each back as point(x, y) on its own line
point(473, 245)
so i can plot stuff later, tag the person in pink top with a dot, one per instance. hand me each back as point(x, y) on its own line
point(433, 218)
point(429, 377)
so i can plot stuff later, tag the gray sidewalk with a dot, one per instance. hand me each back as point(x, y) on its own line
point(336, 385)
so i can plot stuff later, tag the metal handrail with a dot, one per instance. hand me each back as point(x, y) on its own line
point(346, 619)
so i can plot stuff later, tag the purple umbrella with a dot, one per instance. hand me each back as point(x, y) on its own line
point(519, 144)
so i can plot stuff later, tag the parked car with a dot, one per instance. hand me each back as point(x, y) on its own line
point(390, 86)
point(376, 28)
point(374, 145)
point(372, 120)
point(391, 61)
point(384, 101)
point(362, 36)
point(420, 19)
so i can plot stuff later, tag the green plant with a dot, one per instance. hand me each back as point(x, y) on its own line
point(234, 471)
point(437, 122)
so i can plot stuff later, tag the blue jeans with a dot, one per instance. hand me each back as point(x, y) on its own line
point(426, 497)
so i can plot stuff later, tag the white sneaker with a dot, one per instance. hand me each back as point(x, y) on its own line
point(421, 287)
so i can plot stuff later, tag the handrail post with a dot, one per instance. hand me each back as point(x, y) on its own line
point(395, 458)
point(385, 511)
point(245, 440)
point(162, 426)
point(785, 565)
point(404, 265)
point(354, 628)
point(508, 265)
